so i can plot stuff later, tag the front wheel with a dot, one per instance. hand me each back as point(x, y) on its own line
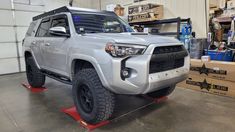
point(93, 102)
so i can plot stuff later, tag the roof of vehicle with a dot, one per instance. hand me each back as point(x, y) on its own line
point(71, 10)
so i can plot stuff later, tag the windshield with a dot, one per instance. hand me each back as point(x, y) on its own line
point(92, 23)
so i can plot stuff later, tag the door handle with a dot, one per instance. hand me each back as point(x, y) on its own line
point(33, 43)
point(47, 44)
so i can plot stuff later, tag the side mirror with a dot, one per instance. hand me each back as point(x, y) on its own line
point(59, 31)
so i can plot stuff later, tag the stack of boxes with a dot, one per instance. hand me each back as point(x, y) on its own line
point(230, 4)
point(147, 12)
point(119, 10)
point(216, 77)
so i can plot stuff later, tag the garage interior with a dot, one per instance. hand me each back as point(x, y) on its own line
point(203, 102)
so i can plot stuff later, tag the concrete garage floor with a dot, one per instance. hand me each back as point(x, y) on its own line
point(185, 110)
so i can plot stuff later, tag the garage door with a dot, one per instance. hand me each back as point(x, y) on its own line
point(15, 18)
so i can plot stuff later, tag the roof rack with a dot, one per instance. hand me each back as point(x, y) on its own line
point(71, 10)
point(58, 10)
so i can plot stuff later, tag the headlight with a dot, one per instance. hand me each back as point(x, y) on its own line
point(121, 50)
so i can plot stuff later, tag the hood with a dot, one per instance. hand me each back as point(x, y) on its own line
point(134, 38)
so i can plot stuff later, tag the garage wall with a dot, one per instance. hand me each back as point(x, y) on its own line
point(15, 17)
point(195, 9)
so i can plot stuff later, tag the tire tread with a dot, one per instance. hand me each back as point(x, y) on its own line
point(104, 97)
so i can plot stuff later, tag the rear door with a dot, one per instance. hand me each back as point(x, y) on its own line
point(39, 39)
point(55, 48)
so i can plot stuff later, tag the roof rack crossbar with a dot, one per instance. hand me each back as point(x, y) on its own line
point(59, 10)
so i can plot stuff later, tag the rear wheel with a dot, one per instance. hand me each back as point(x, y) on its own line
point(93, 102)
point(162, 92)
point(34, 76)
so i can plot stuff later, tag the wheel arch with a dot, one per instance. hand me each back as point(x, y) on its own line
point(79, 64)
point(27, 54)
point(82, 63)
point(30, 54)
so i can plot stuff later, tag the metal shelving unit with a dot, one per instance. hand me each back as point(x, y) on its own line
point(177, 20)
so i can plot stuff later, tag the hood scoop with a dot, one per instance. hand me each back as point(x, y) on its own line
point(139, 33)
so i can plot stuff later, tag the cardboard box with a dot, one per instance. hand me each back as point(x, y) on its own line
point(209, 85)
point(154, 8)
point(231, 4)
point(144, 17)
point(214, 69)
point(147, 12)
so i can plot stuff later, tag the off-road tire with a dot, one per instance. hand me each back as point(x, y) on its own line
point(162, 92)
point(99, 104)
point(35, 78)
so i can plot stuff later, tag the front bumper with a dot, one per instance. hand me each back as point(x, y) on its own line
point(140, 80)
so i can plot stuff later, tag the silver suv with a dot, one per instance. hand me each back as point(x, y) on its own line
point(100, 55)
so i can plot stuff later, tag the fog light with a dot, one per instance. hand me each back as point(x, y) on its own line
point(125, 73)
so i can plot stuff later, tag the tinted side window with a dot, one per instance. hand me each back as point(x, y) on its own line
point(43, 28)
point(31, 28)
point(60, 21)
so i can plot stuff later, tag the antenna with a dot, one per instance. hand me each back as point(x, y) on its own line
point(71, 3)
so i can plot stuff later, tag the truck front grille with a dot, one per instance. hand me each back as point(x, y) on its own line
point(165, 65)
point(168, 49)
point(167, 58)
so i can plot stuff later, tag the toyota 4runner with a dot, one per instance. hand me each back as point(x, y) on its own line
point(100, 55)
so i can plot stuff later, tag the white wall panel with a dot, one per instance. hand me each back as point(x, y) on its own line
point(37, 2)
point(8, 66)
point(10, 27)
point(7, 34)
point(85, 4)
point(8, 50)
point(24, 18)
point(22, 64)
point(29, 7)
point(5, 4)
point(29, 2)
point(52, 4)
point(21, 1)
point(6, 17)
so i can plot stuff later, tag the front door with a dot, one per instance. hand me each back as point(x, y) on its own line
point(54, 50)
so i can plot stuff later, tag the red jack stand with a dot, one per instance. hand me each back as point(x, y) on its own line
point(32, 89)
point(161, 99)
point(156, 100)
point(75, 115)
